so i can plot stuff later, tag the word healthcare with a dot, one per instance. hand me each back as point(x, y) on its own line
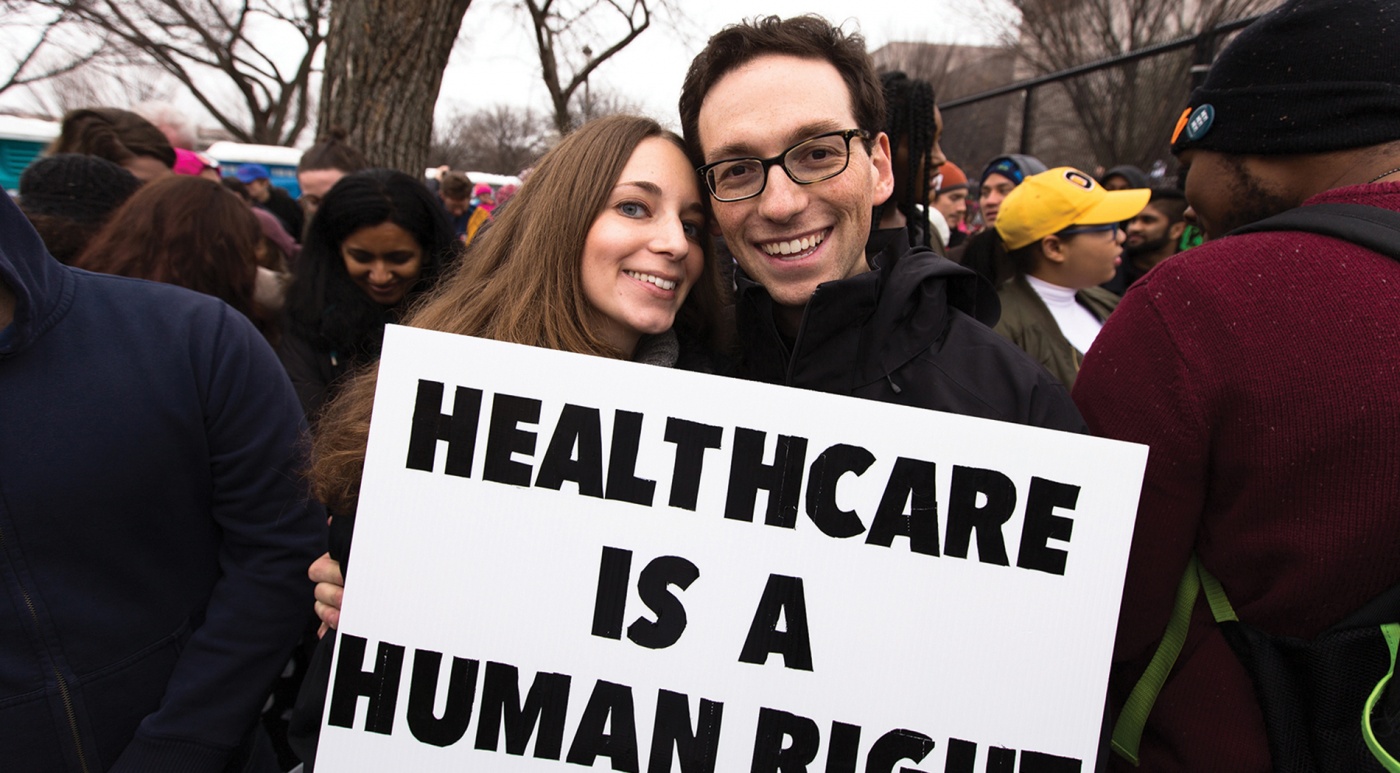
point(980, 502)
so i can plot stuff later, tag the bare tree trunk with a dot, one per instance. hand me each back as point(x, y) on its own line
point(384, 65)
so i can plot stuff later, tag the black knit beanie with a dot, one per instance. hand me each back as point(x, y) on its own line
point(74, 186)
point(1311, 76)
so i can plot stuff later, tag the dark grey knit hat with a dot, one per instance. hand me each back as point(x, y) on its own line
point(1015, 167)
point(1311, 76)
point(75, 186)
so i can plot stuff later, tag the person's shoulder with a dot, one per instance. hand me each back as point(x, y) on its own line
point(1000, 376)
point(156, 313)
point(1099, 300)
point(157, 298)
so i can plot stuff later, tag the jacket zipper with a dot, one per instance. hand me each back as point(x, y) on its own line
point(62, 683)
point(797, 342)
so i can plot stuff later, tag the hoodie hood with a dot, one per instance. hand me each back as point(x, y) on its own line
point(1136, 177)
point(919, 291)
point(42, 286)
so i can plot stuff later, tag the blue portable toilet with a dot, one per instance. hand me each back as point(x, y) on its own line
point(281, 162)
point(21, 141)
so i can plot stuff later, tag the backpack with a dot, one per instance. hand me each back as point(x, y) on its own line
point(1325, 702)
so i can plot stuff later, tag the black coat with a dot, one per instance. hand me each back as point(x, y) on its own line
point(915, 330)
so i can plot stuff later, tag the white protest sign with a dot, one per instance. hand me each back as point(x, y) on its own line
point(566, 561)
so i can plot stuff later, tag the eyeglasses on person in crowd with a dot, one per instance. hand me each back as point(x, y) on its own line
point(810, 161)
point(1090, 229)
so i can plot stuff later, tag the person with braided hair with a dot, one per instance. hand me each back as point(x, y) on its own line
point(914, 126)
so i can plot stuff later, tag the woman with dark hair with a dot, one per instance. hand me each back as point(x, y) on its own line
point(604, 251)
point(120, 136)
point(184, 231)
point(914, 126)
point(1060, 232)
point(377, 241)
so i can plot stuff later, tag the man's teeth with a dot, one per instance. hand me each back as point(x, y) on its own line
point(793, 247)
point(664, 284)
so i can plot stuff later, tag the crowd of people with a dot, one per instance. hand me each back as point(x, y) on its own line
point(178, 453)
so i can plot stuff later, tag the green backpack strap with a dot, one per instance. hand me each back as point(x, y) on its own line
point(1220, 607)
point(1387, 760)
point(1127, 731)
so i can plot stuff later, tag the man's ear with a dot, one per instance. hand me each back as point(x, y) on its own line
point(1176, 230)
point(881, 171)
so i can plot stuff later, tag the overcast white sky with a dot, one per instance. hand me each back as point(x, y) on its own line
point(497, 62)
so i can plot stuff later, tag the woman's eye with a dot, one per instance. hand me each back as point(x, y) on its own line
point(692, 231)
point(631, 209)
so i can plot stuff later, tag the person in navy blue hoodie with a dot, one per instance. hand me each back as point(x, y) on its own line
point(154, 530)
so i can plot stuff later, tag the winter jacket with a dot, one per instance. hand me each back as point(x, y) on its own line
point(1028, 323)
point(315, 372)
point(154, 537)
point(1263, 370)
point(914, 330)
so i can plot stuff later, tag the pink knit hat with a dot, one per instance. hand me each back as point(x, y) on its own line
point(191, 163)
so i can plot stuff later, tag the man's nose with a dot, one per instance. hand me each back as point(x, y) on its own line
point(781, 199)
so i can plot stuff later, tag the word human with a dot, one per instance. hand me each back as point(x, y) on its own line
point(608, 725)
point(980, 501)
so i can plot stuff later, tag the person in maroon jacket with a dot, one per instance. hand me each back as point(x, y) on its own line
point(1261, 369)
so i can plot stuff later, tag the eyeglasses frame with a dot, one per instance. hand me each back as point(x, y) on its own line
point(768, 163)
point(1089, 229)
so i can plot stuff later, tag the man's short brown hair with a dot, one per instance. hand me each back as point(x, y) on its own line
point(807, 37)
point(455, 185)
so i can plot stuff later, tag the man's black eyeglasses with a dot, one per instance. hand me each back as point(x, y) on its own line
point(810, 161)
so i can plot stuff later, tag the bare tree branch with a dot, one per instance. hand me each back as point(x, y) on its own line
point(564, 31)
point(46, 58)
point(207, 47)
point(1123, 114)
point(501, 140)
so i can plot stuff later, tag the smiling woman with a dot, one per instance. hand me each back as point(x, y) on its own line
point(378, 238)
point(604, 251)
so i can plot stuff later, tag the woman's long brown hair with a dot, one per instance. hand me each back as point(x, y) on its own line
point(520, 282)
point(184, 231)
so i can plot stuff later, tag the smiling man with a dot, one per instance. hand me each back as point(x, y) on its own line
point(783, 119)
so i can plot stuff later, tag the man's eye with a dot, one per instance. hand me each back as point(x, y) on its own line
point(734, 172)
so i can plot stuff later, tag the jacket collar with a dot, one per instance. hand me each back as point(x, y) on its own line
point(859, 330)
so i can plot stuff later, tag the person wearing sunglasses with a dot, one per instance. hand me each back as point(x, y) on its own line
point(1062, 235)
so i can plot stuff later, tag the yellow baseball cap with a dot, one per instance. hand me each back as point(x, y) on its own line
point(1052, 201)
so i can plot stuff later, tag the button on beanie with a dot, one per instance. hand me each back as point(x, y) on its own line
point(1311, 76)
